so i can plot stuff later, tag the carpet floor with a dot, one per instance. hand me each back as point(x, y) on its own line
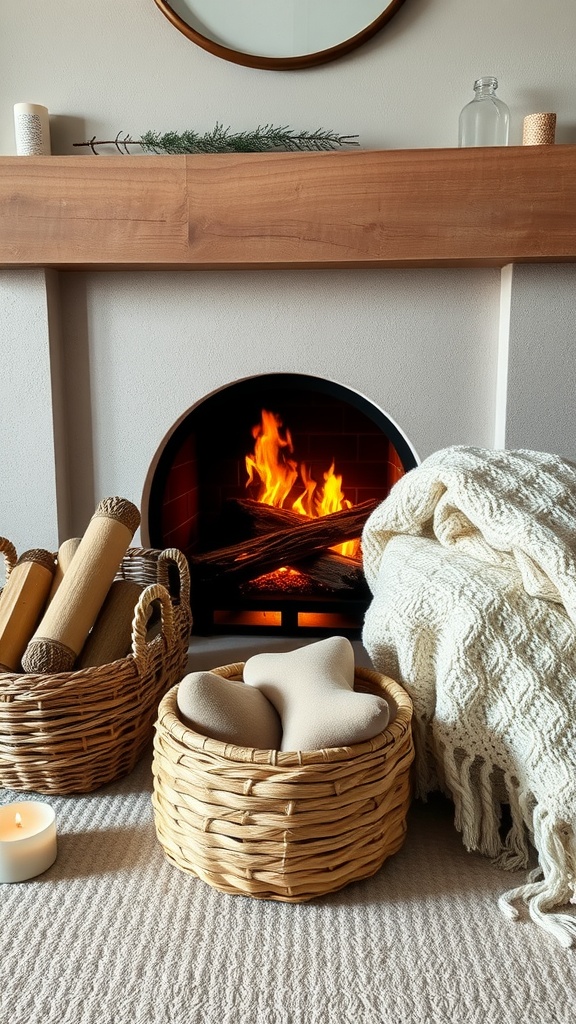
point(114, 934)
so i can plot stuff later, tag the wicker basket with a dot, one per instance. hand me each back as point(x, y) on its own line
point(276, 825)
point(72, 732)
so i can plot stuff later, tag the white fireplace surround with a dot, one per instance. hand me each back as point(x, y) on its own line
point(99, 366)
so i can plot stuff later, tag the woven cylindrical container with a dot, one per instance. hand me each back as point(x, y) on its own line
point(71, 732)
point(539, 130)
point(285, 826)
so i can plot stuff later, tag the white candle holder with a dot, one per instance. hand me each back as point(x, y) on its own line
point(31, 130)
point(27, 840)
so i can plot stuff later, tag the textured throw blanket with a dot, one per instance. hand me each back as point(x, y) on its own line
point(471, 561)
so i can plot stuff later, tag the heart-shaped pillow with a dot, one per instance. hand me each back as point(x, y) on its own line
point(226, 710)
point(312, 689)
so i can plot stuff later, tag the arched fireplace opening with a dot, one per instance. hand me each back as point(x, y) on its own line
point(265, 486)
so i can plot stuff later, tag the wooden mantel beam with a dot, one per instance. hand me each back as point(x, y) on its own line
point(349, 209)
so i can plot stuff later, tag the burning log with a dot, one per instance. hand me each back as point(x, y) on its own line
point(335, 571)
point(253, 519)
point(288, 546)
point(244, 517)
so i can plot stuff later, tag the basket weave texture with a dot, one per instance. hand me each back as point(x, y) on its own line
point(287, 825)
point(71, 732)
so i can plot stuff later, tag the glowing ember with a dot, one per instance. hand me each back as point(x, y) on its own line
point(278, 473)
point(285, 579)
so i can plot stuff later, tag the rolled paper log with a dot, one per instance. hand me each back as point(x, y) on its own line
point(22, 602)
point(66, 552)
point(111, 635)
point(71, 614)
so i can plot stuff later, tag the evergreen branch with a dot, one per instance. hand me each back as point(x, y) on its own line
point(263, 139)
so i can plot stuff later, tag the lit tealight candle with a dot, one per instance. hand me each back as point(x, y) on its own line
point(27, 840)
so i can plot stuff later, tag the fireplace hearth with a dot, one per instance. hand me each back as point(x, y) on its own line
point(265, 485)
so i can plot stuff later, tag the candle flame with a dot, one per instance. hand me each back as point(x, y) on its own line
point(18, 820)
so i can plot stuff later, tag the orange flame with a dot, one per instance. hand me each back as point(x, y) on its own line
point(278, 473)
point(332, 501)
point(305, 503)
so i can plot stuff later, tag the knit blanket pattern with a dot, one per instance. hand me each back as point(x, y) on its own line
point(471, 561)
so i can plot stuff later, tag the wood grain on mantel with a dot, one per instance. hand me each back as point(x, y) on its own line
point(364, 208)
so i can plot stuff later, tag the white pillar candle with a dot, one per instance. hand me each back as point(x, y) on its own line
point(31, 130)
point(27, 840)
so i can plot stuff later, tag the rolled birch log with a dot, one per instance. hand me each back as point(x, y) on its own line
point(21, 604)
point(71, 614)
point(111, 635)
point(66, 552)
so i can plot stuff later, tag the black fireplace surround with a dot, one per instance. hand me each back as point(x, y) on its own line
point(200, 471)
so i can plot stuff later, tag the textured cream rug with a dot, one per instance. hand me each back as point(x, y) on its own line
point(113, 934)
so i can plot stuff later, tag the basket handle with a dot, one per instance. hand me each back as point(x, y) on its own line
point(174, 556)
point(9, 552)
point(140, 647)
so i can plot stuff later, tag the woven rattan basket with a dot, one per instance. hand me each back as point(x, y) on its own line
point(72, 732)
point(276, 825)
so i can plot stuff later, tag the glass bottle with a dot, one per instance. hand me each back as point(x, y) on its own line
point(486, 119)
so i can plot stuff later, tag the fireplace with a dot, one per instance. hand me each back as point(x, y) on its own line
point(101, 364)
point(265, 485)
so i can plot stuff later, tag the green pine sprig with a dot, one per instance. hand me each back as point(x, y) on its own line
point(263, 139)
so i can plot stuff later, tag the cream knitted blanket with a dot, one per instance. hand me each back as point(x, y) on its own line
point(471, 561)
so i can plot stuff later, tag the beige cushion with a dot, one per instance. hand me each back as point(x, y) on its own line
point(312, 689)
point(227, 710)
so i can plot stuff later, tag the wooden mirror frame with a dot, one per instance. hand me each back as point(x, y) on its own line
point(306, 60)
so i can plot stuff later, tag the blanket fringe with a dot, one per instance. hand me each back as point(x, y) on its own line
point(476, 808)
point(466, 819)
point(490, 842)
point(515, 853)
point(552, 884)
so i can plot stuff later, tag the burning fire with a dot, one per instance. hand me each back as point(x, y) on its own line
point(278, 473)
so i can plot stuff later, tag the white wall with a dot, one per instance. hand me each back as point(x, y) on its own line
point(105, 65)
point(29, 463)
point(137, 350)
point(141, 349)
point(544, 313)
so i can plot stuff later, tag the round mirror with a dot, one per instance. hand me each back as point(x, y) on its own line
point(279, 34)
